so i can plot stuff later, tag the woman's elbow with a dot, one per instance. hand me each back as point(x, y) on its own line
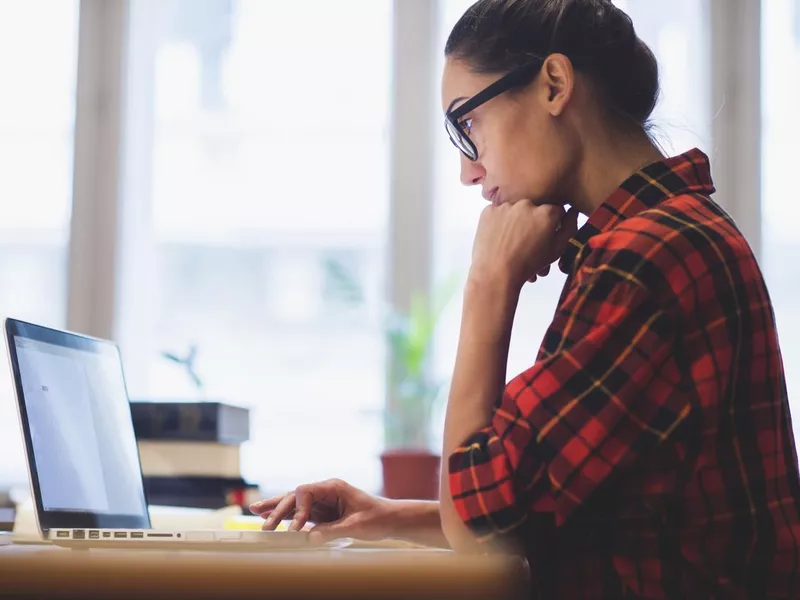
point(459, 537)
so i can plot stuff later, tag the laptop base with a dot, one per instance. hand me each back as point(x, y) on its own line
point(216, 540)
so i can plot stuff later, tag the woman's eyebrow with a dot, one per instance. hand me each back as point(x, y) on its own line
point(452, 104)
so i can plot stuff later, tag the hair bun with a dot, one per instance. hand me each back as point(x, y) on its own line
point(601, 39)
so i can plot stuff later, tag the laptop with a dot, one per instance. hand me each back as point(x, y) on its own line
point(82, 455)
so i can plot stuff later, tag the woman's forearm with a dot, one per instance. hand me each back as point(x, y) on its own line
point(478, 381)
point(418, 521)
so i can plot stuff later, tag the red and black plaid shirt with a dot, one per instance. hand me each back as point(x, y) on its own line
point(649, 451)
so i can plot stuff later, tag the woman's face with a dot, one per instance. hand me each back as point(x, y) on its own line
point(524, 149)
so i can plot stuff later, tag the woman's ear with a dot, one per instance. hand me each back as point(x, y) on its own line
point(558, 80)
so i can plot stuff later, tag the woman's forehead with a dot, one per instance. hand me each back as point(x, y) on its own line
point(459, 82)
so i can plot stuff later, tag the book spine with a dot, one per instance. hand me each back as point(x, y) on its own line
point(181, 458)
point(190, 421)
point(200, 492)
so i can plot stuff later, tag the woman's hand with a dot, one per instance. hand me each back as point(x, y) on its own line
point(337, 508)
point(520, 241)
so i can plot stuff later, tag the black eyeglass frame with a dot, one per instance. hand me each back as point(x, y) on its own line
point(517, 77)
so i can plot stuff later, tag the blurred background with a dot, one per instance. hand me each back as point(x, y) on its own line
point(265, 181)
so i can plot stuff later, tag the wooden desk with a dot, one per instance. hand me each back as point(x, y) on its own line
point(49, 572)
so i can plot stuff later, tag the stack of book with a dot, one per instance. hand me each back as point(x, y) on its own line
point(190, 453)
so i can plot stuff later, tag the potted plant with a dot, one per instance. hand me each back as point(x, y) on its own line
point(410, 463)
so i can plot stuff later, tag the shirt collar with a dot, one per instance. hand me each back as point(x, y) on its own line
point(688, 173)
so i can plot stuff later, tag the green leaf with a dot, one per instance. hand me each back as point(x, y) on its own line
point(346, 285)
point(444, 295)
point(187, 364)
point(414, 394)
point(172, 357)
point(196, 380)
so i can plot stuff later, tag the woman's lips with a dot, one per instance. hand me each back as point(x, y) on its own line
point(492, 196)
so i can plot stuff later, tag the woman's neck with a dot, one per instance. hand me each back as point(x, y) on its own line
point(608, 160)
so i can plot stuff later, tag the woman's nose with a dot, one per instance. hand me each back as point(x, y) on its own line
point(472, 172)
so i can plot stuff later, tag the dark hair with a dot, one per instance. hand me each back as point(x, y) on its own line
point(497, 36)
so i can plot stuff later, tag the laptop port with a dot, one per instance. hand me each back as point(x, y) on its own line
point(159, 535)
point(94, 535)
point(120, 534)
point(78, 534)
point(106, 534)
point(137, 534)
point(62, 534)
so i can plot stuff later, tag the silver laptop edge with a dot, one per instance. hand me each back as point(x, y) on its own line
point(104, 537)
point(18, 410)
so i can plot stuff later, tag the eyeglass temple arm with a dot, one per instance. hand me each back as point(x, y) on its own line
point(505, 83)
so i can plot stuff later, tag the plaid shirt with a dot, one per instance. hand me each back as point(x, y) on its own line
point(648, 453)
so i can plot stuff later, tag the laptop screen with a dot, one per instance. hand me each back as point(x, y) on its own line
point(79, 429)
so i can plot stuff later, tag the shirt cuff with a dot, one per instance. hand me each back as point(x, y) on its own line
point(482, 487)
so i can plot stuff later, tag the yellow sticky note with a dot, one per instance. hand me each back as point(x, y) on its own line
point(250, 523)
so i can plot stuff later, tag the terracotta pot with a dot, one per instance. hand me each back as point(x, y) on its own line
point(412, 474)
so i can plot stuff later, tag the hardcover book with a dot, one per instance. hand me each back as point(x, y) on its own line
point(191, 421)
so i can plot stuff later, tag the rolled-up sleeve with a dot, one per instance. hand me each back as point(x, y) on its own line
point(603, 392)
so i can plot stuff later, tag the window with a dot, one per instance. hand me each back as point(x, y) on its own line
point(264, 241)
point(37, 114)
point(677, 34)
point(780, 63)
point(254, 199)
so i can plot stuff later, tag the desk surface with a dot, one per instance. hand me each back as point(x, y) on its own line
point(42, 571)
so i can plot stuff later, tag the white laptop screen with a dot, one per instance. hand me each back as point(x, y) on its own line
point(80, 428)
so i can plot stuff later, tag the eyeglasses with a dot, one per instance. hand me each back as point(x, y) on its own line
point(453, 119)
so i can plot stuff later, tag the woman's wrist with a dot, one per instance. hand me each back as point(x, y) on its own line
point(484, 284)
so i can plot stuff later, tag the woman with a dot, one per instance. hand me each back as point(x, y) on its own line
point(648, 452)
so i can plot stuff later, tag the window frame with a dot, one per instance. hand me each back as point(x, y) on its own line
point(109, 227)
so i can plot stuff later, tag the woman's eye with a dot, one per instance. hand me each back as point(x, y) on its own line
point(467, 125)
